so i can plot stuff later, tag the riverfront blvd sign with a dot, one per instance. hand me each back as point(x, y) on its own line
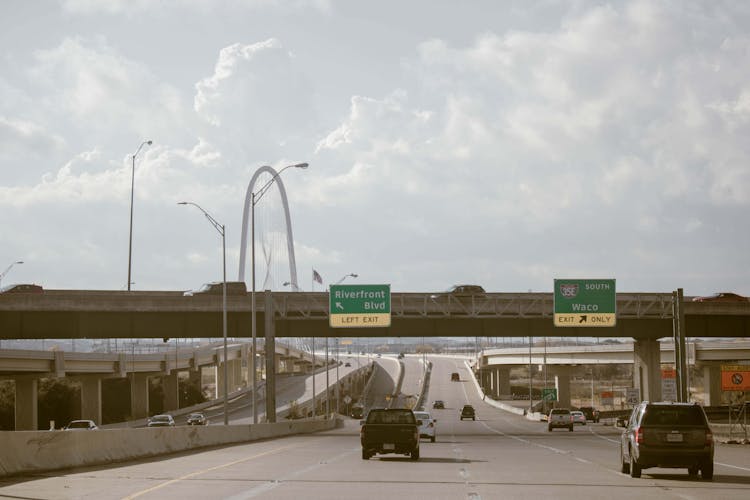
point(359, 306)
point(585, 303)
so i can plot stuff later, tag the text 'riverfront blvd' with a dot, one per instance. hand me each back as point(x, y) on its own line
point(359, 306)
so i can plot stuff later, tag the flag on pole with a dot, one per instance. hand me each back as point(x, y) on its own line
point(316, 277)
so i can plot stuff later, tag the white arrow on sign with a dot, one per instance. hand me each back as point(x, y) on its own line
point(339, 306)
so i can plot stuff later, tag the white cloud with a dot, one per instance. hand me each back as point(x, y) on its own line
point(92, 86)
point(257, 101)
point(24, 137)
point(596, 139)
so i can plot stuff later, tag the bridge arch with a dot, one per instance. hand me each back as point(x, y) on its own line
point(287, 217)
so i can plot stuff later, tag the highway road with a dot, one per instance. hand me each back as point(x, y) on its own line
point(500, 455)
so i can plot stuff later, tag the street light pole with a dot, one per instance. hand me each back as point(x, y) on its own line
point(531, 403)
point(7, 269)
point(255, 198)
point(222, 230)
point(346, 276)
point(132, 190)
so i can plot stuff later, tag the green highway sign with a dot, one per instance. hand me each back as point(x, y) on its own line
point(585, 302)
point(549, 394)
point(359, 306)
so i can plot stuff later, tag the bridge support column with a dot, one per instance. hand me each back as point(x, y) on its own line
point(234, 369)
point(501, 382)
point(487, 381)
point(171, 384)
point(647, 369)
point(219, 376)
point(246, 372)
point(91, 399)
point(562, 384)
point(712, 385)
point(139, 395)
point(26, 404)
point(195, 378)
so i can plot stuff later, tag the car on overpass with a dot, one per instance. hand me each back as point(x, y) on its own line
point(722, 297)
point(461, 291)
point(217, 288)
point(22, 288)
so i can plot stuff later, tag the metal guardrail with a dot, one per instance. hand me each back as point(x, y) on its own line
point(496, 305)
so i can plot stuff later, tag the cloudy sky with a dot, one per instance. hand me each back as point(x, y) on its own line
point(503, 143)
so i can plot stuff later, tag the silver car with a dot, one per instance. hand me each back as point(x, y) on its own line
point(81, 425)
point(161, 421)
point(427, 428)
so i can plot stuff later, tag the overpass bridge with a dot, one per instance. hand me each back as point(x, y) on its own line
point(645, 317)
point(26, 367)
point(64, 314)
point(494, 364)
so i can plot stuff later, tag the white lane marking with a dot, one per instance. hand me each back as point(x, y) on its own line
point(203, 471)
point(733, 466)
point(592, 431)
point(266, 487)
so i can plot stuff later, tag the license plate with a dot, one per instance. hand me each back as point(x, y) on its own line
point(389, 446)
point(674, 438)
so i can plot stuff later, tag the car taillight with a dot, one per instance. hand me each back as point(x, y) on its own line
point(709, 438)
point(639, 435)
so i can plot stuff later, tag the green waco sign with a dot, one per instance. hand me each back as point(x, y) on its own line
point(585, 302)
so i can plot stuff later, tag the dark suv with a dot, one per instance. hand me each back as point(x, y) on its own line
point(591, 413)
point(468, 412)
point(667, 435)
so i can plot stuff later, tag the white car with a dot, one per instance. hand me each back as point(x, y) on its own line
point(427, 429)
point(81, 425)
point(578, 417)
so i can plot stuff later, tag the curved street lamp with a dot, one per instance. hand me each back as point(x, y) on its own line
point(7, 270)
point(222, 231)
point(346, 276)
point(294, 285)
point(255, 198)
point(132, 190)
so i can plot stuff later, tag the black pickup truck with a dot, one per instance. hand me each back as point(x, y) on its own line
point(390, 431)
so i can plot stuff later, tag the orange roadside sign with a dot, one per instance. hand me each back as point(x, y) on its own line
point(735, 377)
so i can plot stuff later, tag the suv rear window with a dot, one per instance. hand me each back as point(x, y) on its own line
point(560, 412)
point(674, 415)
point(390, 417)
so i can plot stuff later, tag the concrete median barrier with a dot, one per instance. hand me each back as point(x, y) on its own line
point(35, 451)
